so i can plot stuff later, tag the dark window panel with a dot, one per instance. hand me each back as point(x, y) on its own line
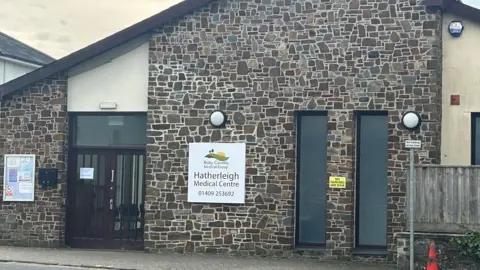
point(110, 130)
point(475, 138)
point(311, 181)
point(372, 180)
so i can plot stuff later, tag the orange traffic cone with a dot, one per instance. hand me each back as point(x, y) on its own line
point(432, 257)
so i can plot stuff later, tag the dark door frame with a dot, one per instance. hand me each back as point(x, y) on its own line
point(73, 150)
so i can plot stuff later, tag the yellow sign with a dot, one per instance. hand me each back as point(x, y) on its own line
point(337, 182)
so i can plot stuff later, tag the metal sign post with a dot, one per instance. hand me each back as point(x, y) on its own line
point(412, 144)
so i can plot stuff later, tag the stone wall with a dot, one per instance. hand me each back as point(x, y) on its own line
point(34, 121)
point(260, 61)
point(448, 256)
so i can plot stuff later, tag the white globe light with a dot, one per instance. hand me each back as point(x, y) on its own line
point(411, 120)
point(217, 118)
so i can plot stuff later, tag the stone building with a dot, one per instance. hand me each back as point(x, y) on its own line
point(314, 88)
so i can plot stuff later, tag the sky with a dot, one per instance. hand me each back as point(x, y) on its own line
point(473, 3)
point(60, 27)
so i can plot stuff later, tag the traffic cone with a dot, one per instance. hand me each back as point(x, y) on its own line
point(432, 257)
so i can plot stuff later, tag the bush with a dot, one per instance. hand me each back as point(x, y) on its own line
point(469, 245)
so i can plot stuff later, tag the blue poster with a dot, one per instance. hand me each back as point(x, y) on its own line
point(12, 175)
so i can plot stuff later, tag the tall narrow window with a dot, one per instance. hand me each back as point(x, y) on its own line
point(475, 139)
point(311, 178)
point(371, 180)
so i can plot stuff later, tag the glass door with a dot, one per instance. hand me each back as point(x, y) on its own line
point(106, 182)
point(129, 200)
point(93, 207)
point(109, 200)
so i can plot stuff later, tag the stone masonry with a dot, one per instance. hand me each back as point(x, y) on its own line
point(259, 61)
point(34, 121)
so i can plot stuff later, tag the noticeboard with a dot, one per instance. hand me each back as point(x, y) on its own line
point(19, 178)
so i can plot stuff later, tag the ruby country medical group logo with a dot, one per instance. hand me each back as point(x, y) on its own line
point(216, 160)
point(220, 156)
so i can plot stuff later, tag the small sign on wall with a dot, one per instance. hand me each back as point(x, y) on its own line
point(415, 144)
point(454, 99)
point(337, 182)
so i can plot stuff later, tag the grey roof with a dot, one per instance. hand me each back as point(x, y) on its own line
point(12, 48)
point(146, 26)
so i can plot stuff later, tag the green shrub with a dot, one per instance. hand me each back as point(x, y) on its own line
point(469, 245)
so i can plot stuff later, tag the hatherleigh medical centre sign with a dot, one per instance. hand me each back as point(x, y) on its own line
point(216, 172)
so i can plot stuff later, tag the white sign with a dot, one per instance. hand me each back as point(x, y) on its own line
point(413, 144)
point(86, 173)
point(216, 172)
point(19, 178)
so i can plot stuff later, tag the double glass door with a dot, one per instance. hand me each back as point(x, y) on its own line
point(106, 199)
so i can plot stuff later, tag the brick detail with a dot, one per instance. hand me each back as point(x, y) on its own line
point(260, 61)
point(34, 121)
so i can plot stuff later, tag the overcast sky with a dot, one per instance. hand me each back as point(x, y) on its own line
point(60, 27)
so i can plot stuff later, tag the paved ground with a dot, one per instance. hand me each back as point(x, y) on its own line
point(145, 261)
point(23, 266)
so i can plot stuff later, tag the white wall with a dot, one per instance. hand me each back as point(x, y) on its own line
point(10, 70)
point(120, 75)
point(461, 76)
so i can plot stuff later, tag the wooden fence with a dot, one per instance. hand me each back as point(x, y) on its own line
point(446, 198)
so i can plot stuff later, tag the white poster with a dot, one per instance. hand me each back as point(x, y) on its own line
point(86, 173)
point(19, 178)
point(216, 173)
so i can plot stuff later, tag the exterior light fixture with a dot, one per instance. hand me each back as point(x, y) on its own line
point(218, 118)
point(411, 120)
point(455, 28)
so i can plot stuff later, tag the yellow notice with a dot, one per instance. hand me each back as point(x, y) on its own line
point(337, 182)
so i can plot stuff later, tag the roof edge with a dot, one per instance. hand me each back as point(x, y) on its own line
point(182, 8)
point(455, 7)
point(23, 59)
point(31, 48)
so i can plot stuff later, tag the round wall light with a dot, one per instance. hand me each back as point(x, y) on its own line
point(218, 118)
point(455, 28)
point(411, 120)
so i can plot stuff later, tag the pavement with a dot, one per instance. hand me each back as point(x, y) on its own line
point(26, 266)
point(17, 258)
